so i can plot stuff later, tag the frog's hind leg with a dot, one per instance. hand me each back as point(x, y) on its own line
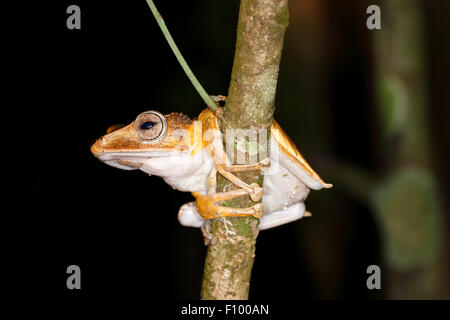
point(188, 216)
point(278, 218)
point(208, 207)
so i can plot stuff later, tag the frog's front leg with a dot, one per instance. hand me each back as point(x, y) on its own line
point(263, 164)
point(225, 168)
point(253, 190)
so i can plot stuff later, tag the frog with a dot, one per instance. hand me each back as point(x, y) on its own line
point(188, 153)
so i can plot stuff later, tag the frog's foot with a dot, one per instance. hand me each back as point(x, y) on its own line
point(206, 232)
point(218, 98)
point(208, 208)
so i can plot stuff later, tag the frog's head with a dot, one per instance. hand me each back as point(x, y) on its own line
point(151, 136)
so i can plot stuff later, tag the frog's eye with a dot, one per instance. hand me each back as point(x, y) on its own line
point(150, 125)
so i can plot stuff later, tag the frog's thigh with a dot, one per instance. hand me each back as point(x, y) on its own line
point(275, 219)
point(189, 217)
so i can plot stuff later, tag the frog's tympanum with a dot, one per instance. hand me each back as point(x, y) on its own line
point(188, 153)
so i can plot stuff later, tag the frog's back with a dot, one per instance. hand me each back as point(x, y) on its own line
point(295, 160)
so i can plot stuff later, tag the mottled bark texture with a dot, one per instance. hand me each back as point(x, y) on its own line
point(250, 105)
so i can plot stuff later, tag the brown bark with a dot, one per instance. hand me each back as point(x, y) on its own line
point(250, 105)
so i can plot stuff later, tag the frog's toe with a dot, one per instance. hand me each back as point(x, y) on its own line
point(206, 231)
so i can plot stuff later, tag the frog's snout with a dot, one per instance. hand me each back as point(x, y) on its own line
point(106, 142)
point(97, 148)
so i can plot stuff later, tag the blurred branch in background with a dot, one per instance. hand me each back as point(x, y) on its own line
point(406, 202)
point(405, 197)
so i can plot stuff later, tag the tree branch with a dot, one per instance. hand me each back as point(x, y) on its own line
point(250, 105)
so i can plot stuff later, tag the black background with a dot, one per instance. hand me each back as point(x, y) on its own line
point(62, 206)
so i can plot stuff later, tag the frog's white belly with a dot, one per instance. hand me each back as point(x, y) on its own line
point(181, 171)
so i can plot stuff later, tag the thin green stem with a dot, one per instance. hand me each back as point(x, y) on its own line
point(208, 100)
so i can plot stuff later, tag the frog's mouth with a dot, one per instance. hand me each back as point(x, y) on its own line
point(121, 163)
point(128, 160)
point(129, 165)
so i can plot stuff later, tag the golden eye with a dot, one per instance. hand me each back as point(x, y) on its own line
point(150, 125)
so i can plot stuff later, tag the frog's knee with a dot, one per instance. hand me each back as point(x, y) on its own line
point(189, 217)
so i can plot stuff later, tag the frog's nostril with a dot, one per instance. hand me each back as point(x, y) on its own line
point(114, 127)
